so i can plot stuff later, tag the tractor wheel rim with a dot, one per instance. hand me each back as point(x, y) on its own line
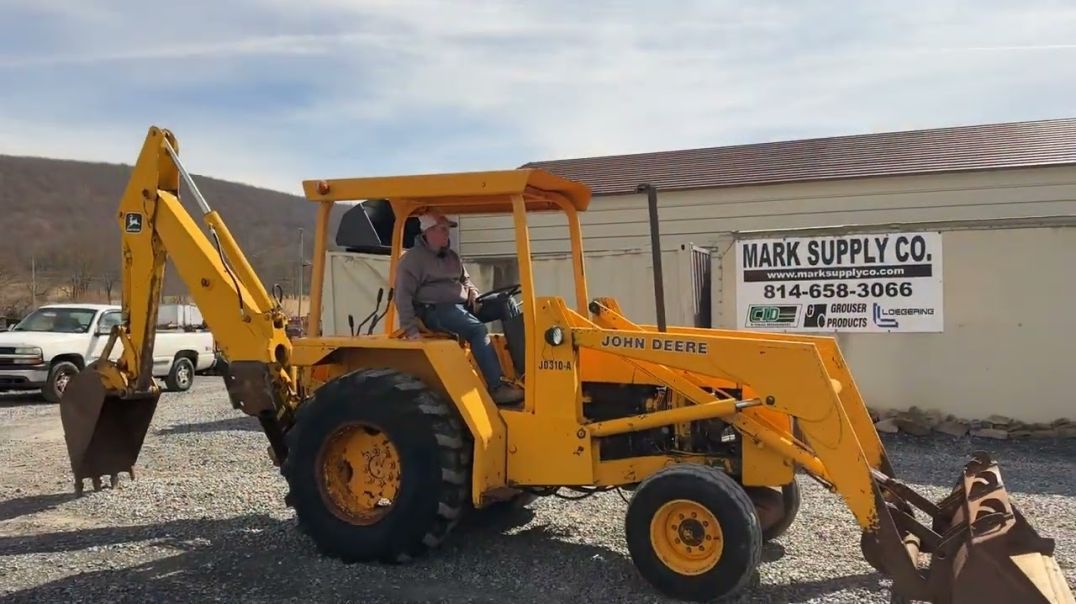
point(359, 474)
point(686, 537)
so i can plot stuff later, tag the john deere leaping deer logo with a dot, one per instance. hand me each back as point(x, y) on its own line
point(133, 222)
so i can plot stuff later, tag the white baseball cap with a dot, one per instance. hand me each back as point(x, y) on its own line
point(432, 219)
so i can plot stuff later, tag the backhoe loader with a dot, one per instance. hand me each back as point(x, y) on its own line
point(386, 442)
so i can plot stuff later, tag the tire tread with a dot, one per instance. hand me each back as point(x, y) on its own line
point(420, 408)
point(743, 508)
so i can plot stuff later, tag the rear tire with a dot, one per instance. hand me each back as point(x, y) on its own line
point(693, 534)
point(416, 465)
point(786, 499)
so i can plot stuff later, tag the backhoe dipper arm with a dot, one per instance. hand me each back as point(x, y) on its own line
point(106, 411)
point(236, 306)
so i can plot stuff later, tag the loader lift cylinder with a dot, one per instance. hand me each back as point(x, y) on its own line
point(655, 250)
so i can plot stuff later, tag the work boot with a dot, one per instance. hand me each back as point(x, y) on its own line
point(506, 394)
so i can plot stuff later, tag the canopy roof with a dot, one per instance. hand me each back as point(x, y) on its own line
point(460, 192)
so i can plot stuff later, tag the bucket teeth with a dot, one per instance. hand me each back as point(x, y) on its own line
point(98, 484)
point(982, 548)
point(104, 429)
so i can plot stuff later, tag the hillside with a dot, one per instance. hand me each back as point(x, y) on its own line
point(60, 216)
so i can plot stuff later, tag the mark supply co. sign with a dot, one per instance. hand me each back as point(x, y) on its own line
point(888, 282)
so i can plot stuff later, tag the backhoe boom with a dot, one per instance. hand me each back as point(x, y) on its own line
point(246, 324)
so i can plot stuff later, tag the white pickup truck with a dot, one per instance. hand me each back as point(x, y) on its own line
point(53, 343)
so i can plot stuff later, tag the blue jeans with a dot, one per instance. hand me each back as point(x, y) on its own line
point(458, 319)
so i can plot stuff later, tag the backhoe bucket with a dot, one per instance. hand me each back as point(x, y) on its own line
point(104, 429)
point(982, 548)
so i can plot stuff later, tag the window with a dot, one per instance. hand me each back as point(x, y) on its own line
point(58, 319)
point(108, 320)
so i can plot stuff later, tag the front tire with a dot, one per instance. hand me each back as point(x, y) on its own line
point(60, 375)
point(692, 532)
point(181, 376)
point(377, 467)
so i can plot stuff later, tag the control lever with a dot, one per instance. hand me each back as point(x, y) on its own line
point(380, 293)
point(351, 324)
point(382, 315)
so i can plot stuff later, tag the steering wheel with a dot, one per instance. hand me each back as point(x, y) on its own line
point(508, 290)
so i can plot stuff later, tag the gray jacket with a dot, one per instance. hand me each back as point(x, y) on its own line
point(425, 277)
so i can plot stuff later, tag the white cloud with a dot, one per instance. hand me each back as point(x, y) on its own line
point(258, 45)
point(420, 85)
point(705, 74)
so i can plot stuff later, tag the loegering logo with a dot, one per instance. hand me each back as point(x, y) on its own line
point(881, 321)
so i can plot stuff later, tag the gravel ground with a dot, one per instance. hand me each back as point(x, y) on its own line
point(205, 520)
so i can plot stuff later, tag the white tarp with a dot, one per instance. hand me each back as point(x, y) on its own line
point(885, 282)
point(179, 315)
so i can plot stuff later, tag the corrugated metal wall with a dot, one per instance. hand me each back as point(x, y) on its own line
point(352, 281)
point(620, 222)
point(1007, 344)
point(627, 275)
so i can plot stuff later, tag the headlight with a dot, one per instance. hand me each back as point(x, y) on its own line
point(28, 350)
point(555, 336)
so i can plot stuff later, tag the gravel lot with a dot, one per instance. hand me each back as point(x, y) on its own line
point(205, 520)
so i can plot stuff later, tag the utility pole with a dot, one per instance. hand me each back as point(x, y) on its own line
point(33, 282)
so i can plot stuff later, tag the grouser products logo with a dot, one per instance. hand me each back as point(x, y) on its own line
point(772, 315)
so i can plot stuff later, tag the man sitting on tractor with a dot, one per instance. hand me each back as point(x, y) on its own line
point(433, 285)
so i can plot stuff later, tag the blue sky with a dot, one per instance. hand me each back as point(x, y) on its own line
point(270, 92)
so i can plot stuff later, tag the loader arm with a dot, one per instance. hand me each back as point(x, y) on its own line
point(106, 410)
point(981, 546)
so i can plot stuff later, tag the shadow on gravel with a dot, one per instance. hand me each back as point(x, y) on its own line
point(803, 591)
point(22, 399)
point(235, 424)
point(772, 552)
point(21, 506)
point(259, 557)
point(1044, 467)
point(170, 534)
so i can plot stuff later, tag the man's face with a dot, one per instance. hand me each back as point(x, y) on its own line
point(437, 236)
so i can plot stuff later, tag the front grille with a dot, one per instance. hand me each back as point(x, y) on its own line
point(9, 366)
point(7, 350)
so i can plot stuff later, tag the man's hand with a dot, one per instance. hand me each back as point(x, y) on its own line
point(472, 300)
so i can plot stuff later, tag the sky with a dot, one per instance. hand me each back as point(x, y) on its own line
point(271, 92)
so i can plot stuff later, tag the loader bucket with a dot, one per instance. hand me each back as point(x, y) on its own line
point(104, 429)
point(982, 548)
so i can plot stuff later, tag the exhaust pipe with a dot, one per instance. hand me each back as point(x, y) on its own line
point(655, 250)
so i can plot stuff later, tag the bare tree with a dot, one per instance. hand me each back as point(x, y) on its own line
point(77, 285)
point(109, 279)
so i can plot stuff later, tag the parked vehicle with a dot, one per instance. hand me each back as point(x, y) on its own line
point(53, 343)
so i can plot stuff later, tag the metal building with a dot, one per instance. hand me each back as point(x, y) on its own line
point(942, 259)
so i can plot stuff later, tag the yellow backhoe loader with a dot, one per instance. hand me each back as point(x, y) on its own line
point(385, 442)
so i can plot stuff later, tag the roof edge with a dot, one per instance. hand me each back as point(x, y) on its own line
point(835, 137)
